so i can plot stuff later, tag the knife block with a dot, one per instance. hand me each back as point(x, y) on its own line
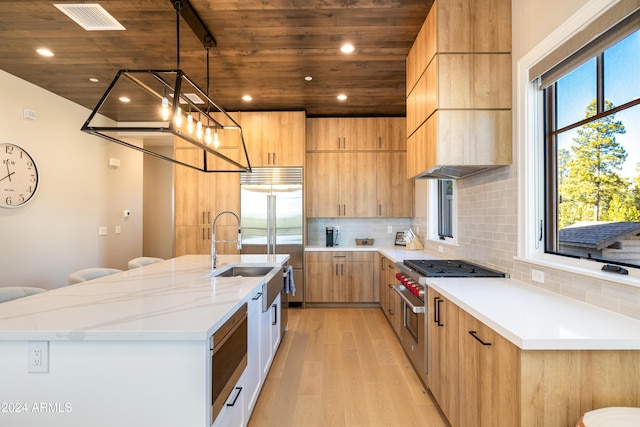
point(414, 244)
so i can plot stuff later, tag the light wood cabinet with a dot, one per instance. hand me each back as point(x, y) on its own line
point(274, 138)
point(443, 353)
point(341, 185)
point(356, 134)
point(339, 277)
point(390, 302)
point(479, 378)
point(198, 197)
point(394, 189)
point(459, 87)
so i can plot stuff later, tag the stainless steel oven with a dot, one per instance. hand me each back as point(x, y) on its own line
point(228, 360)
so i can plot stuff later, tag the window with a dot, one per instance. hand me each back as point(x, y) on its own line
point(592, 157)
point(443, 209)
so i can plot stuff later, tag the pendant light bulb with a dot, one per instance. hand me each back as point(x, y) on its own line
point(216, 141)
point(165, 108)
point(199, 130)
point(189, 123)
point(178, 119)
point(207, 136)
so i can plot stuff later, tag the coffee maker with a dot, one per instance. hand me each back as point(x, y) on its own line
point(330, 232)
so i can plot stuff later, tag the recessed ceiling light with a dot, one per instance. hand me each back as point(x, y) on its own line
point(347, 48)
point(247, 98)
point(342, 97)
point(308, 78)
point(44, 52)
point(124, 99)
point(93, 80)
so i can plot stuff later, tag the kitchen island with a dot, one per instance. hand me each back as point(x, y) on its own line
point(128, 349)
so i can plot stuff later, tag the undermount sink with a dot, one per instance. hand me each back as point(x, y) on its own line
point(244, 271)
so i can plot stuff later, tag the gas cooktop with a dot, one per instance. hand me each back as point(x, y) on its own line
point(450, 268)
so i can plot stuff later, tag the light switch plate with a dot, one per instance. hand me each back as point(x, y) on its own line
point(102, 231)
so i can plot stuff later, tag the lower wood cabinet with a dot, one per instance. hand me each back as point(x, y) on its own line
point(339, 277)
point(479, 378)
point(389, 299)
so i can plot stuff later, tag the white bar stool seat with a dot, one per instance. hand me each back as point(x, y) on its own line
point(90, 274)
point(14, 292)
point(610, 417)
point(142, 261)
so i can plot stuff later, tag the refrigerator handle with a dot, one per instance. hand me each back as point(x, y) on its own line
point(273, 225)
point(269, 225)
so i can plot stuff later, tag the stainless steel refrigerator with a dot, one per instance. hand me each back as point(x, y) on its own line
point(271, 217)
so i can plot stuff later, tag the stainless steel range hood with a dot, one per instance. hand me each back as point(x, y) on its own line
point(453, 172)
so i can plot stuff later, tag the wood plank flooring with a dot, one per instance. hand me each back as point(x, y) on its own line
point(342, 367)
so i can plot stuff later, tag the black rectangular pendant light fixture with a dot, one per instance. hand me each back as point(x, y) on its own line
point(165, 114)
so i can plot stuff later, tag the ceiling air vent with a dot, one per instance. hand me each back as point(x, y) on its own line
point(90, 16)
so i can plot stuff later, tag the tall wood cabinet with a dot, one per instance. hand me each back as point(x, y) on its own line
point(339, 277)
point(459, 87)
point(356, 168)
point(274, 138)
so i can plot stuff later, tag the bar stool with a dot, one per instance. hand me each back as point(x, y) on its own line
point(14, 292)
point(90, 274)
point(142, 261)
point(613, 416)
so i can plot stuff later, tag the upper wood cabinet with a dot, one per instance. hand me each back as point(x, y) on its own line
point(274, 138)
point(341, 185)
point(395, 190)
point(459, 87)
point(356, 134)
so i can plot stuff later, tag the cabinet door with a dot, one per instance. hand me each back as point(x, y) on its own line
point(323, 185)
point(395, 311)
point(189, 184)
point(443, 344)
point(392, 133)
point(395, 190)
point(489, 371)
point(276, 320)
point(254, 131)
point(323, 134)
point(358, 184)
point(266, 355)
point(286, 134)
point(253, 376)
point(192, 239)
point(359, 133)
point(319, 278)
point(359, 281)
point(384, 293)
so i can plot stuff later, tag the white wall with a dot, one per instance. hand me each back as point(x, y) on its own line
point(56, 233)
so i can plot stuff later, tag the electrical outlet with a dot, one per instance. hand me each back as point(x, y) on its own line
point(102, 231)
point(38, 356)
point(390, 229)
point(537, 276)
point(118, 229)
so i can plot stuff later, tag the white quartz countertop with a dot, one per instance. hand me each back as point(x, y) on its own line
point(536, 319)
point(176, 299)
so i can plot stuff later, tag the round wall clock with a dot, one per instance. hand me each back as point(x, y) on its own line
point(18, 176)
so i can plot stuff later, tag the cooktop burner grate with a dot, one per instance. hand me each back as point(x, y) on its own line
point(451, 268)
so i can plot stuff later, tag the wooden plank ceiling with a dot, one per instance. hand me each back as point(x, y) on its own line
point(265, 48)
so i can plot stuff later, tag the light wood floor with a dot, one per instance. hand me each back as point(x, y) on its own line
point(342, 367)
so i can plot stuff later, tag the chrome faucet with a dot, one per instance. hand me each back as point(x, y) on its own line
point(214, 254)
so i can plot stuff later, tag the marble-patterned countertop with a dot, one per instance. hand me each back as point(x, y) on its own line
point(176, 299)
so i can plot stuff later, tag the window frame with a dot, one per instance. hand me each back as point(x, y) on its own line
point(436, 212)
point(529, 135)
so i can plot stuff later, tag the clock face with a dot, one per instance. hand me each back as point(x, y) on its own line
point(18, 176)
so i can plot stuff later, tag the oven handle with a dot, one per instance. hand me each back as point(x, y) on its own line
point(404, 294)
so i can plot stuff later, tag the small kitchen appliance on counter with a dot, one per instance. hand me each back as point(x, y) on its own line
point(330, 235)
point(412, 289)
